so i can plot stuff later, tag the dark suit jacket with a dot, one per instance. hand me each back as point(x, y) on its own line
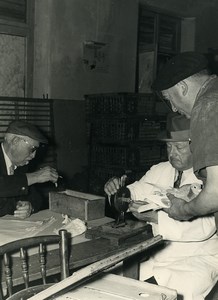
point(14, 188)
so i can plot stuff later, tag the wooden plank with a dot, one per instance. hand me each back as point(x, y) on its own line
point(133, 229)
point(110, 286)
point(95, 268)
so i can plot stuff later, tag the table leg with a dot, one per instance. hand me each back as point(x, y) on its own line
point(131, 267)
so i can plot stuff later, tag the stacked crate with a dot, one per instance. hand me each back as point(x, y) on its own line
point(122, 133)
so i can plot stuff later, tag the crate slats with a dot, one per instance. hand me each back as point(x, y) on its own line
point(122, 133)
point(122, 130)
point(126, 156)
point(120, 104)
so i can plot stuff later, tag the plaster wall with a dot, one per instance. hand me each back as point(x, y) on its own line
point(62, 27)
point(205, 12)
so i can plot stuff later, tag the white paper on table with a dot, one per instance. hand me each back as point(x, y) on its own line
point(11, 230)
point(74, 227)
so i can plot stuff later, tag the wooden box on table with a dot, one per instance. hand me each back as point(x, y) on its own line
point(77, 204)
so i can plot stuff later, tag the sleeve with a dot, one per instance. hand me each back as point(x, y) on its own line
point(13, 185)
point(198, 229)
point(33, 195)
point(35, 198)
point(204, 123)
point(139, 189)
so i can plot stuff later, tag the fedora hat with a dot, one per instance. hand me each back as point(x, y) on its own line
point(177, 129)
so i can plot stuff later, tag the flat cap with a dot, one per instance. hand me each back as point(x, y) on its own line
point(26, 129)
point(177, 129)
point(178, 68)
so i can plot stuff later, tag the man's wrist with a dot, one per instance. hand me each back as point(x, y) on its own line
point(31, 178)
point(187, 213)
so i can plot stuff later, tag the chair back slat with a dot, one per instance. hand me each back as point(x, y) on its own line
point(64, 254)
point(8, 273)
point(28, 242)
point(24, 266)
point(42, 262)
point(23, 246)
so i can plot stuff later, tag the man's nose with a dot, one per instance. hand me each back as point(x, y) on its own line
point(173, 151)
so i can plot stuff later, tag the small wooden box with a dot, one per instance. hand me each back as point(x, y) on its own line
point(76, 204)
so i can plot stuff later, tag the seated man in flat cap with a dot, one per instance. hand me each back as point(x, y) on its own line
point(17, 195)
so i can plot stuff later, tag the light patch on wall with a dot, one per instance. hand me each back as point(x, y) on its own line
point(12, 61)
point(146, 65)
point(96, 56)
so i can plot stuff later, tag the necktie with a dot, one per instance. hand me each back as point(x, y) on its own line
point(11, 170)
point(178, 180)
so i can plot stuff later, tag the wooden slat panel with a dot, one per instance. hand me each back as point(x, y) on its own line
point(36, 111)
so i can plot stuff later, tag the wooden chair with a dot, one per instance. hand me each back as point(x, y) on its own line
point(23, 246)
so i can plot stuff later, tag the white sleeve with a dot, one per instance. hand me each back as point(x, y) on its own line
point(141, 188)
point(198, 229)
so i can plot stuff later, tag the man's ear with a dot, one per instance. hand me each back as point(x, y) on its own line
point(183, 87)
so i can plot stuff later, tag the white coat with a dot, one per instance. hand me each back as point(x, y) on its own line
point(189, 261)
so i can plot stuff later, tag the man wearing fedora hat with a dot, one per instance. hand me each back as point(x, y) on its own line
point(185, 84)
point(188, 262)
point(17, 193)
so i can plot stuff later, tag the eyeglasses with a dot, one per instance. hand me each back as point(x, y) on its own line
point(32, 148)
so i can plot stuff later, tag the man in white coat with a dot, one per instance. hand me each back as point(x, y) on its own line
point(188, 261)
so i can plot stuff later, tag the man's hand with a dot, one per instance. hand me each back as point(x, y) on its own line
point(43, 175)
point(112, 186)
point(177, 209)
point(23, 209)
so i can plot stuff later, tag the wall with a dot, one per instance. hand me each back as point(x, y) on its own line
point(205, 12)
point(207, 25)
point(61, 27)
point(12, 61)
point(70, 137)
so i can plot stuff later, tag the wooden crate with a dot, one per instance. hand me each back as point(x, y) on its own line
point(76, 204)
point(122, 129)
point(120, 104)
point(126, 156)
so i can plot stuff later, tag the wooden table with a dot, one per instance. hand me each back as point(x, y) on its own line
point(83, 252)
